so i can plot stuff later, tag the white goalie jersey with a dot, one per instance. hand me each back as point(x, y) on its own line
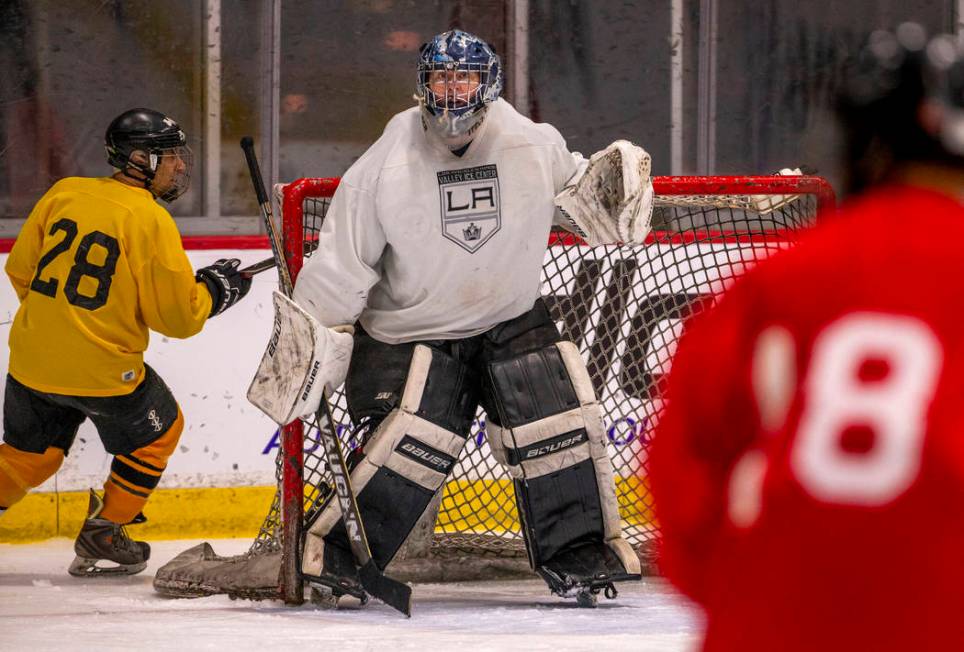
point(422, 244)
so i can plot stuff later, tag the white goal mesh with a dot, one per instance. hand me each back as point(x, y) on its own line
point(624, 306)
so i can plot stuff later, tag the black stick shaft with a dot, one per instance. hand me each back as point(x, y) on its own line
point(269, 263)
point(247, 145)
point(257, 268)
point(284, 276)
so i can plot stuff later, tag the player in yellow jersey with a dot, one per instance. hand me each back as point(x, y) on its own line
point(97, 265)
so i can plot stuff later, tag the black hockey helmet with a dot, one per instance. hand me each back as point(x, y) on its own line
point(884, 100)
point(944, 83)
point(139, 138)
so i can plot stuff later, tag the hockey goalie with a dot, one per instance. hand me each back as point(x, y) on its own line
point(423, 298)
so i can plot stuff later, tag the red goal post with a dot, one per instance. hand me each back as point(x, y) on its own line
point(624, 307)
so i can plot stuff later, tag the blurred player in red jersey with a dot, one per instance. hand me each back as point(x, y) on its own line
point(809, 470)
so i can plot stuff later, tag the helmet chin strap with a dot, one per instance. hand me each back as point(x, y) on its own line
point(142, 181)
point(443, 127)
point(146, 180)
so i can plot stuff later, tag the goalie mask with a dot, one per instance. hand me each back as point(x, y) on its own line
point(458, 75)
point(154, 146)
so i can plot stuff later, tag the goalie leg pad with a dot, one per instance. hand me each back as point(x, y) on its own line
point(406, 460)
point(551, 438)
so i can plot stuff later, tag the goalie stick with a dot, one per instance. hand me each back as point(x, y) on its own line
point(392, 592)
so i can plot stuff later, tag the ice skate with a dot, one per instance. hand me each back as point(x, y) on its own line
point(101, 541)
point(338, 574)
point(584, 572)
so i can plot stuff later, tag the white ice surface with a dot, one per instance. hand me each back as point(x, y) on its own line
point(43, 608)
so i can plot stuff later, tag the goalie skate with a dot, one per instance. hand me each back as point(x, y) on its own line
point(103, 547)
point(584, 590)
point(585, 572)
point(339, 575)
point(335, 586)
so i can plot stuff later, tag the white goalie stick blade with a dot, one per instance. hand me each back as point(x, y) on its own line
point(765, 204)
point(288, 367)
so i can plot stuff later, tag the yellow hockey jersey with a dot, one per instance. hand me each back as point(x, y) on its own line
point(96, 265)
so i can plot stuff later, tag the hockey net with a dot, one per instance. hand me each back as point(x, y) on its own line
point(624, 306)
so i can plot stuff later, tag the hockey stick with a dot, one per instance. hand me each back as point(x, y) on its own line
point(377, 584)
point(269, 263)
point(257, 268)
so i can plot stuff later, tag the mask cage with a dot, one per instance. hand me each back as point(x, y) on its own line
point(453, 98)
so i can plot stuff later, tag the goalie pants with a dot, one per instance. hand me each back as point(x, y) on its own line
point(140, 430)
point(416, 403)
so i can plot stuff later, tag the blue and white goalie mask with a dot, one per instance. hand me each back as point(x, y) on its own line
point(458, 75)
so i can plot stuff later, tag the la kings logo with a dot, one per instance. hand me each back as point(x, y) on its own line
point(470, 205)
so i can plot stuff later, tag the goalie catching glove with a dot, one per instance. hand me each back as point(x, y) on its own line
point(612, 200)
point(302, 360)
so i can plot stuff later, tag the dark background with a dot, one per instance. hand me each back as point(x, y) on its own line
point(757, 78)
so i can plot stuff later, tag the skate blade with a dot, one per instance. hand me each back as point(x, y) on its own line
point(584, 589)
point(587, 599)
point(322, 596)
point(87, 567)
point(338, 586)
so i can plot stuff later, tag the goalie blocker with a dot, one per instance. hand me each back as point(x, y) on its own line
point(544, 425)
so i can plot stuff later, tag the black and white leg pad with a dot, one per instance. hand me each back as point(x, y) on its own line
point(552, 441)
point(406, 460)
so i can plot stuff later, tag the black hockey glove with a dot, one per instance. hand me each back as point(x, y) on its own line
point(225, 283)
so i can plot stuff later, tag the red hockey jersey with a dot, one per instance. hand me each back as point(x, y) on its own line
point(808, 472)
